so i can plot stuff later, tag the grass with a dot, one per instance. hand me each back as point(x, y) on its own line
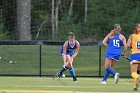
point(63, 85)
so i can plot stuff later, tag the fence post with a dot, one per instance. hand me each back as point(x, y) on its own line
point(40, 74)
point(100, 61)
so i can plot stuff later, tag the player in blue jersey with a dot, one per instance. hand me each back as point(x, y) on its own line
point(69, 51)
point(113, 41)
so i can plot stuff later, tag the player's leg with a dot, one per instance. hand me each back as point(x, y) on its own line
point(64, 68)
point(117, 75)
point(134, 75)
point(109, 64)
point(138, 71)
point(72, 72)
point(71, 69)
point(108, 70)
point(59, 74)
point(106, 75)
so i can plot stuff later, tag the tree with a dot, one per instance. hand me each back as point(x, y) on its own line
point(24, 19)
point(56, 17)
point(86, 11)
point(53, 20)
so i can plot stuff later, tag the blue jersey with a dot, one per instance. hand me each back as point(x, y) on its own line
point(70, 49)
point(114, 47)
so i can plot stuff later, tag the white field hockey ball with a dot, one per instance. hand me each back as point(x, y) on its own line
point(11, 62)
point(63, 75)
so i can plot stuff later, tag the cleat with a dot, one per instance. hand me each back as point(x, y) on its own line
point(117, 75)
point(103, 82)
point(58, 75)
point(135, 89)
point(75, 79)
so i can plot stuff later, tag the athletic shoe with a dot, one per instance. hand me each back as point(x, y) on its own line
point(117, 75)
point(75, 79)
point(58, 75)
point(103, 82)
point(135, 89)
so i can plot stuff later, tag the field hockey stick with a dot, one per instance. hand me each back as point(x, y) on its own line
point(8, 61)
point(56, 75)
point(126, 57)
point(129, 60)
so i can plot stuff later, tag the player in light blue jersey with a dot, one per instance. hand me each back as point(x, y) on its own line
point(69, 51)
point(113, 52)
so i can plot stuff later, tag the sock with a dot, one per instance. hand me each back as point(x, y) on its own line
point(111, 70)
point(135, 77)
point(63, 69)
point(106, 75)
point(71, 70)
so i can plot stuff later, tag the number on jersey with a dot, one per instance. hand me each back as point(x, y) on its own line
point(116, 43)
point(138, 45)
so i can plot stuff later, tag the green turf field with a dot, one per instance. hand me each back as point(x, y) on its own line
point(63, 85)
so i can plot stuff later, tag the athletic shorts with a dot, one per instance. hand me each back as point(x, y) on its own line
point(68, 53)
point(113, 56)
point(135, 58)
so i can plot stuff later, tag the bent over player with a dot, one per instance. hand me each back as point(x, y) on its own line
point(69, 51)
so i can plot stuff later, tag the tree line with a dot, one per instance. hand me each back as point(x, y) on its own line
point(90, 20)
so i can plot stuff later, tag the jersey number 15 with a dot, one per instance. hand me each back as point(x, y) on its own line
point(116, 43)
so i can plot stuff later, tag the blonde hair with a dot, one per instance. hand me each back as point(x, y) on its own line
point(116, 30)
point(71, 35)
point(135, 28)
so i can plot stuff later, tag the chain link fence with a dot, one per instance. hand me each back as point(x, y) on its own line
point(43, 59)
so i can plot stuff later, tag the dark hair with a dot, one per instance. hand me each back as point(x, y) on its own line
point(135, 28)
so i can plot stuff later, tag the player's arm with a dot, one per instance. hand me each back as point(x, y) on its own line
point(104, 42)
point(77, 49)
point(64, 52)
point(129, 41)
point(124, 44)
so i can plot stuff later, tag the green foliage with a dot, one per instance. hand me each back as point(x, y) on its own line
point(3, 35)
point(101, 16)
point(105, 13)
point(38, 9)
point(8, 14)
